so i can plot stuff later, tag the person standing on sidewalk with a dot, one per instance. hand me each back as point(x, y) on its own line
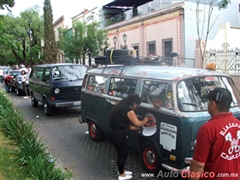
point(217, 148)
point(24, 83)
point(122, 118)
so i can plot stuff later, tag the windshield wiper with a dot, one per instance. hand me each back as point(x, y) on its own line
point(59, 78)
point(76, 79)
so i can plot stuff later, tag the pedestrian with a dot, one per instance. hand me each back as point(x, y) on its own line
point(7, 79)
point(123, 117)
point(217, 148)
point(24, 83)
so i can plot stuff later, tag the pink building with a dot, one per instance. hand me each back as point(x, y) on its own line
point(161, 27)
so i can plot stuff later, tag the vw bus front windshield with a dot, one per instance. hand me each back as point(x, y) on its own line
point(192, 93)
point(69, 72)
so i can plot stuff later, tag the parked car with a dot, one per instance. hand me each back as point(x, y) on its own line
point(3, 72)
point(13, 82)
point(173, 98)
point(56, 85)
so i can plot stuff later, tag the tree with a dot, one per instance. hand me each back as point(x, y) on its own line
point(84, 39)
point(23, 42)
point(5, 42)
point(50, 50)
point(203, 31)
point(35, 34)
point(6, 4)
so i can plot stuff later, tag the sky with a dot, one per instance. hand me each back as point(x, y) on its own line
point(68, 8)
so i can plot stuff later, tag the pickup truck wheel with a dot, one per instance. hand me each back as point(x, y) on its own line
point(94, 131)
point(34, 102)
point(150, 158)
point(48, 110)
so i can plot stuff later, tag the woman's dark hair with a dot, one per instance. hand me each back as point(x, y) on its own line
point(127, 101)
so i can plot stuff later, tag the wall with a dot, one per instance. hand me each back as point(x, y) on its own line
point(60, 23)
point(147, 28)
point(226, 58)
point(225, 34)
point(231, 14)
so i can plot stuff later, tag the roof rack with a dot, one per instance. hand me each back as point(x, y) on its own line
point(126, 60)
point(121, 56)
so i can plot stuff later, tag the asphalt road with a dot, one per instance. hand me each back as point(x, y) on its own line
point(69, 142)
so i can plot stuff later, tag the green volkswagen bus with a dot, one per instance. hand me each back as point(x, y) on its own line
point(172, 97)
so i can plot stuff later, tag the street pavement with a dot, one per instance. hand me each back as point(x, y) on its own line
point(68, 141)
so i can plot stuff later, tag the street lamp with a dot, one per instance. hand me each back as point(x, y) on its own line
point(115, 41)
point(125, 40)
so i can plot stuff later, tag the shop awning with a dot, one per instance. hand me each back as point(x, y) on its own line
point(125, 4)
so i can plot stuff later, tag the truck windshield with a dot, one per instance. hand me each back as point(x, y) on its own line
point(69, 72)
point(192, 93)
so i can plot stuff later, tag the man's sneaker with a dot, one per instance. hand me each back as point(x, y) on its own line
point(25, 97)
point(125, 177)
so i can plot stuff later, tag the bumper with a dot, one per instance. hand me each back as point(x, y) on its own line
point(68, 104)
point(170, 168)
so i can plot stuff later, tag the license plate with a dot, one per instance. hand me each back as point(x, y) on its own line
point(77, 104)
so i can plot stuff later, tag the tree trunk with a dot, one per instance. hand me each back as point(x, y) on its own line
point(89, 60)
point(84, 59)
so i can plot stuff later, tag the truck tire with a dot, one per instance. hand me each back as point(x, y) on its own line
point(116, 55)
point(101, 60)
point(48, 110)
point(34, 102)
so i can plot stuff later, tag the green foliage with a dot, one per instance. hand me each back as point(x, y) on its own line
point(31, 153)
point(21, 43)
point(223, 4)
point(84, 39)
point(50, 50)
point(9, 169)
point(6, 4)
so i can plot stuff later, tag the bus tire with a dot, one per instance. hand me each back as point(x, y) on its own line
point(149, 157)
point(94, 131)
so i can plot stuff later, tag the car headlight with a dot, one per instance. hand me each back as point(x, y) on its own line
point(57, 91)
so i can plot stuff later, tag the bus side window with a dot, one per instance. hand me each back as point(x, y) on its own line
point(97, 84)
point(122, 87)
point(159, 94)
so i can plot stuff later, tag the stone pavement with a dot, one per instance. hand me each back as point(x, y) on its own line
point(66, 139)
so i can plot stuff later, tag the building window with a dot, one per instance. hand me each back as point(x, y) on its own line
point(151, 48)
point(167, 47)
